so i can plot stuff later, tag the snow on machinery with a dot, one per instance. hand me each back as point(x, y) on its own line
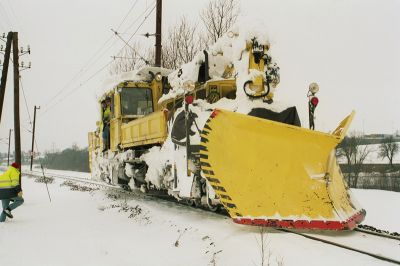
point(212, 134)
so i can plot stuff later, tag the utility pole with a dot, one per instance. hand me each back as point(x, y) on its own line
point(9, 142)
point(17, 130)
point(5, 70)
point(158, 33)
point(33, 135)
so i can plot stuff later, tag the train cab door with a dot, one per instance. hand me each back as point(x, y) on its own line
point(115, 122)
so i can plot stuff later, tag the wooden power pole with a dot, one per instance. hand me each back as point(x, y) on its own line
point(17, 131)
point(158, 32)
point(5, 70)
point(33, 135)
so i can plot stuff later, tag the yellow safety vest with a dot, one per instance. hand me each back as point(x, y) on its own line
point(10, 178)
point(107, 114)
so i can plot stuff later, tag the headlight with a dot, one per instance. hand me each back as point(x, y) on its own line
point(232, 34)
point(313, 88)
point(158, 77)
point(189, 85)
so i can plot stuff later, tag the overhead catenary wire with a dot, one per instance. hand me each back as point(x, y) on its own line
point(137, 29)
point(139, 17)
point(127, 44)
point(80, 85)
point(83, 70)
point(92, 60)
point(127, 14)
point(70, 92)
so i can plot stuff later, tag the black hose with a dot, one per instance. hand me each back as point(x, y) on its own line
point(255, 96)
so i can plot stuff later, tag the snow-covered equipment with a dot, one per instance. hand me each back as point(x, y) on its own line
point(211, 134)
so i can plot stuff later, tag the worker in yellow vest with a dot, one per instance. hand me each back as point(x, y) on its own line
point(10, 190)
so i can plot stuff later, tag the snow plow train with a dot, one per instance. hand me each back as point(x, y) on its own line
point(212, 134)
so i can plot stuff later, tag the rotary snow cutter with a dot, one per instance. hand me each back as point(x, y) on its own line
point(273, 174)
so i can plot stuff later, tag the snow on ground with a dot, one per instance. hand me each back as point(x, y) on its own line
point(382, 208)
point(60, 172)
point(104, 227)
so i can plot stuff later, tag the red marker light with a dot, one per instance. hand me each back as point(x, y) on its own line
point(314, 101)
point(214, 113)
point(189, 99)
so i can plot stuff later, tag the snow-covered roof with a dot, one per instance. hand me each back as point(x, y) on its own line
point(140, 75)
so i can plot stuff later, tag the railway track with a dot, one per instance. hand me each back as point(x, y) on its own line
point(338, 239)
point(365, 251)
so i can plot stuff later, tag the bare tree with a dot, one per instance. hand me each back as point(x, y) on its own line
point(388, 149)
point(355, 153)
point(130, 58)
point(218, 16)
point(181, 44)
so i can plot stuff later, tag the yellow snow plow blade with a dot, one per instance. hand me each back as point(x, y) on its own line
point(273, 174)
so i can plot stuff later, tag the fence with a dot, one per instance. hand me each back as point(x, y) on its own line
point(383, 181)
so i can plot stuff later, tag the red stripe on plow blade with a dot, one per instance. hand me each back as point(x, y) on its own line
point(349, 224)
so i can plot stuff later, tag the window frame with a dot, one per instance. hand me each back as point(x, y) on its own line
point(123, 89)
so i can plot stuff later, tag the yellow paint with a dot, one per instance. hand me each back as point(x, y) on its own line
point(91, 140)
point(269, 168)
point(150, 129)
point(115, 133)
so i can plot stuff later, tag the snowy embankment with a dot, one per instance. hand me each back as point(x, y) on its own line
point(105, 227)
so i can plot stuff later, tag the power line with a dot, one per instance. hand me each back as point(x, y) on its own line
point(126, 16)
point(26, 103)
point(37, 149)
point(26, 107)
point(30, 120)
point(90, 62)
point(76, 88)
point(127, 44)
point(137, 29)
point(84, 69)
point(138, 17)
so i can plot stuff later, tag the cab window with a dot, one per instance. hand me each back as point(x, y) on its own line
point(136, 101)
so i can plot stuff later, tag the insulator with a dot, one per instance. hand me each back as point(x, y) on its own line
point(29, 49)
point(22, 63)
point(30, 65)
point(22, 50)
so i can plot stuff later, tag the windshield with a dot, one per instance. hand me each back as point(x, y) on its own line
point(136, 101)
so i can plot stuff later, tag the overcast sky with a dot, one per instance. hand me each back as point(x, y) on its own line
point(350, 48)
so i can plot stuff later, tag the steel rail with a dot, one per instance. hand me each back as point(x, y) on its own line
point(342, 246)
point(366, 231)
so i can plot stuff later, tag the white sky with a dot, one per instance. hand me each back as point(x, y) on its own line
point(349, 47)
